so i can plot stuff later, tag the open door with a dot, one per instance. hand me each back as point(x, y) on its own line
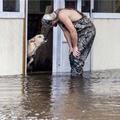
point(42, 58)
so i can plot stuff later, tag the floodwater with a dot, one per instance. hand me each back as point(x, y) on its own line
point(96, 96)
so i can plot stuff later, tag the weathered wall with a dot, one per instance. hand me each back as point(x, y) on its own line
point(105, 52)
point(11, 46)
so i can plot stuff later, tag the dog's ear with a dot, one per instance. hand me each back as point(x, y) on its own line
point(32, 40)
point(41, 36)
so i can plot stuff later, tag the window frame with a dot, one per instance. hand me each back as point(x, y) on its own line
point(106, 15)
point(20, 14)
point(96, 15)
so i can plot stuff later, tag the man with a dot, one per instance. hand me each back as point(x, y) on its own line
point(78, 30)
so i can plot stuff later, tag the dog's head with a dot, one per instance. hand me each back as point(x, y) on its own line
point(38, 39)
point(34, 43)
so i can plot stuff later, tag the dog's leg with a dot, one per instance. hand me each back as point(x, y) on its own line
point(29, 64)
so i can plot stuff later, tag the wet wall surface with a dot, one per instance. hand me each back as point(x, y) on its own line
point(96, 96)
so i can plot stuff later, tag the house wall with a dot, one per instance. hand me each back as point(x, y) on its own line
point(11, 46)
point(104, 55)
point(106, 47)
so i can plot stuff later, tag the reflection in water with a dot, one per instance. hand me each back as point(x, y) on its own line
point(45, 97)
point(68, 98)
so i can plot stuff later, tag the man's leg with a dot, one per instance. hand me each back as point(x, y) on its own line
point(85, 42)
point(76, 65)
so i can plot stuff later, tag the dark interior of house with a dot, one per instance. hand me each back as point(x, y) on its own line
point(43, 56)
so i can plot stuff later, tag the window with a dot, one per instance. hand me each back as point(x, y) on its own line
point(11, 5)
point(12, 8)
point(107, 6)
point(85, 6)
point(106, 9)
point(101, 8)
point(71, 4)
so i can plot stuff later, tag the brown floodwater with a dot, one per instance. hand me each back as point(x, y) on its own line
point(96, 96)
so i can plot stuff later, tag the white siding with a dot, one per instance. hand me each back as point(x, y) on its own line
point(106, 48)
point(11, 46)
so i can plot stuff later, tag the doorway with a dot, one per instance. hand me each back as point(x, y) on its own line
point(42, 58)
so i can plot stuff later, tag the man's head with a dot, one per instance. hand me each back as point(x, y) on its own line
point(49, 19)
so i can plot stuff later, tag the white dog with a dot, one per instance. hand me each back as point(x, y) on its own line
point(33, 45)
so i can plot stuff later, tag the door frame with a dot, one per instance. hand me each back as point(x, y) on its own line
point(57, 42)
point(26, 38)
point(26, 41)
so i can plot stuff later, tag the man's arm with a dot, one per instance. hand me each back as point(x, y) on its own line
point(68, 38)
point(73, 33)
